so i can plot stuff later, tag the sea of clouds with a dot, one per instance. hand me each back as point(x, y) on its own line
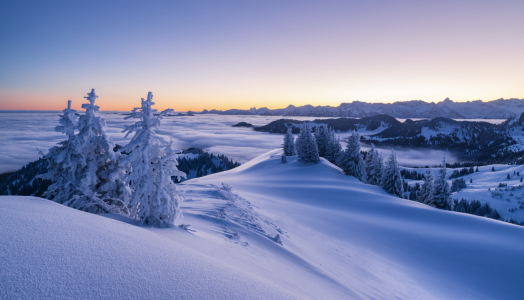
point(25, 133)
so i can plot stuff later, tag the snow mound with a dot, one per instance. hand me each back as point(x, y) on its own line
point(272, 231)
point(52, 251)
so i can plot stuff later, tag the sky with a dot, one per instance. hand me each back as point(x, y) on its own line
point(196, 55)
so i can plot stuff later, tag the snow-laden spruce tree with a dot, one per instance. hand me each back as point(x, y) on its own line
point(373, 177)
point(68, 121)
point(427, 191)
point(378, 165)
point(289, 143)
point(350, 160)
point(76, 165)
point(322, 138)
point(148, 168)
point(391, 179)
point(63, 160)
point(333, 147)
point(307, 146)
point(442, 194)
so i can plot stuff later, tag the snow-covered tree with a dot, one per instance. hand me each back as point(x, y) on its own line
point(442, 193)
point(333, 147)
point(283, 158)
point(373, 175)
point(307, 146)
point(289, 143)
point(350, 160)
point(148, 168)
point(391, 179)
point(322, 138)
point(68, 121)
point(427, 190)
point(378, 163)
point(76, 165)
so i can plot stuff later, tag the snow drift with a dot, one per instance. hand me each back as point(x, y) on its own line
point(271, 231)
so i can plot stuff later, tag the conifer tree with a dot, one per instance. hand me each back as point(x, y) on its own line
point(307, 146)
point(322, 139)
point(333, 147)
point(442, 193)
point(427, 190)
point(289, 143)
point(283, 159)
point(63, 160)
point(148, 168)
point(68, 121)
point(391, 179)
point(378, 163)
point(77, 165)
point(350, 160)
point(373, 175)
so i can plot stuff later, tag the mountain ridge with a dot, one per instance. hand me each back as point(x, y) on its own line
point(477, 109)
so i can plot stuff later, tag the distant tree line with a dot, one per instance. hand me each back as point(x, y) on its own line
point(310, 147)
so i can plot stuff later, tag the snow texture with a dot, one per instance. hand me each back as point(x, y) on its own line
point(271, 231)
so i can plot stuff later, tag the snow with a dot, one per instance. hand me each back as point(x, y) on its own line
point(340, 239)
point(52, 251)
point(486, 179)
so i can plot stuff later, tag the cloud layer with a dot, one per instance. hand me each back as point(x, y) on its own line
point(23, 133)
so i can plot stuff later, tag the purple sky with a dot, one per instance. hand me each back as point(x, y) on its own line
point(240, 54)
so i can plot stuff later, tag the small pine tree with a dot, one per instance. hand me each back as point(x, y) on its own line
point(493, 169)
point(333, 147)
point(307, 146)
point(350, 160)
point(378, 163)
point(477, 169)
point(68, 121)
point(508, 177)
point(283, 158)
point(373, 175)
point(518, 173)
point(391, 179)
point(471, 180)
point(148, 168)
point(322, 139)
point(77, 166)
point(289, 143)
point(427, 190)
point(442, 193)
point(520, 179)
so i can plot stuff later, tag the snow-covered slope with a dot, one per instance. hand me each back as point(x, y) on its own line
point(507, 200)
point(284, 230)
point(50, 251)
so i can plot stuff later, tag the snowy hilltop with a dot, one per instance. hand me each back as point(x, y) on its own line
point(273, 230)
point(496, 109)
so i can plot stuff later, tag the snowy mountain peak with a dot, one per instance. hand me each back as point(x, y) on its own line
point(497, 109)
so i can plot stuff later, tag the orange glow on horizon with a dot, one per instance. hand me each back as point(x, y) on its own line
point(36, 101)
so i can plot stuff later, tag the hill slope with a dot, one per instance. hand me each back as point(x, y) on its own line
point(282, 230)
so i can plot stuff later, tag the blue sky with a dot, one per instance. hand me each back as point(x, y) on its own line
point(240, 54)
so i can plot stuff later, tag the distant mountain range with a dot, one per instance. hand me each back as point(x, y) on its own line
point(497, 109)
